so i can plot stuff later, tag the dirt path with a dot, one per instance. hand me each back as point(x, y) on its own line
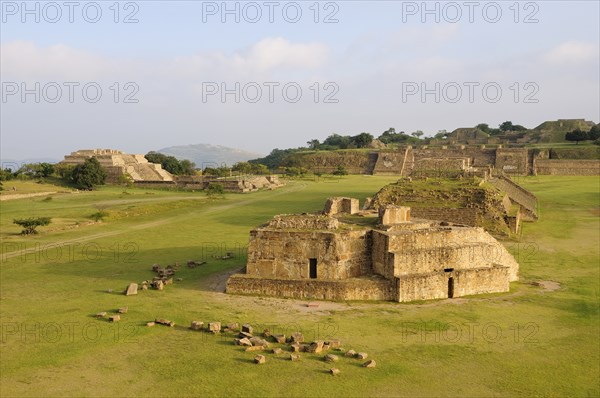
point(24, 195)
point(153, 224)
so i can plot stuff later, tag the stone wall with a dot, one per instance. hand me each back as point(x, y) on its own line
point(287, 254)
point(518, 195)
point(390, 163)
point(440, 167)
point(567, 167)
point(483, 280)
point(513, 160)
point(466, 216)
point(337, 205)
point(350, 289)
point(465, 282)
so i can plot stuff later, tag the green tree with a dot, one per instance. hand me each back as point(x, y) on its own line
point(417, 134)
point(506, 126)
point(362, 140)
point(313, 144)
point(340, 171)
point(215, 189)
point(594, 132)
point(89, 174)
point(483, 127)
point(577, 135)
point(30, 224)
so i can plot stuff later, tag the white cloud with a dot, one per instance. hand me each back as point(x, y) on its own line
point(572, 52)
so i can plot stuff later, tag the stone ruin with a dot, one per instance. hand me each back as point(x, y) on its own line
point(345, 253)
point(118, 164)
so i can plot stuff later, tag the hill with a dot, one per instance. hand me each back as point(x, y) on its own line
point(209, 155)
point(554, 131)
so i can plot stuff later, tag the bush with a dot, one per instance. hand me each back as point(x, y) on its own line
point(89, 174)
point(99, 215)
point(30, 224)
point(340, 171)
point(214, 189)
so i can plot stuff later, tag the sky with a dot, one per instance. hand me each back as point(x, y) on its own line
point(144, 75)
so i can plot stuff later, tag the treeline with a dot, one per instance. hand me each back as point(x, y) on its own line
point(579, 135)
point(172, 164)
point(82, 176)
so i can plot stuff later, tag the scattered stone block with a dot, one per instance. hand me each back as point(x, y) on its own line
point(114, 318)
point(297, 337)
point(295, 347)
point(150, 324)
point(334, 371)
point(232, 327)
point(362, 355)
point(350, 353)
point(316, 347)
point(326, 347)
point(266, 333)
point(131, 289)
point(158, 285)
point(246, 328)
point(123, 310)
point(334, 343)
point(244, 342)
point(214, 327)
point(101, 314)
point(259, 341)
point(155, 268)
point(255, 348)
point(260, 359)
point(197, 325)
point(331, 358)
point(277, 350)
point(370, 364)
point(244, 334)
point(294, 357)
point(304, 347)
point(165, 322)
point(280, 338)
point(145, 286)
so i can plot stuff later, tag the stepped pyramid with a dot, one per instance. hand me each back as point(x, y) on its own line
point(117, 164)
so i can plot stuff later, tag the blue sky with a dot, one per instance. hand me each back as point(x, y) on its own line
point(370, 58)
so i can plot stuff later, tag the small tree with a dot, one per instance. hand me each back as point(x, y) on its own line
point(340, 171)
point(214, 189)
point(577, 135)
point(594, 133)
point(89, 174)
point(30, 224)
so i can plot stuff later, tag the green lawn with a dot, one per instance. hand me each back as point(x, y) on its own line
point(529, 342)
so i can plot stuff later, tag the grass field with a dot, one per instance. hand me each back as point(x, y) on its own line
point(529, 342)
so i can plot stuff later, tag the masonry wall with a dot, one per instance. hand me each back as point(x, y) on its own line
point(389, 163)
point(286, 254)
point(478, 157)
point(567, 167)
point(466, 216)
point(519, 195)
point(354, 289)
point(483, 280)
point(513, 160)
point(422, 287)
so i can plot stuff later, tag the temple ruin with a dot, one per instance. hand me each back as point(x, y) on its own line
point(118, 164)
point(344, 253)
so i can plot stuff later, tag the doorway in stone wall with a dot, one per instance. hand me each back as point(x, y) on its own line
point(312, 268)
point(450, 287)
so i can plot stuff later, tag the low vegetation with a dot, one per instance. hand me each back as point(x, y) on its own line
point(530, 342)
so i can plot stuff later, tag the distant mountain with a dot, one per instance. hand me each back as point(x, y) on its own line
point(209, 155)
